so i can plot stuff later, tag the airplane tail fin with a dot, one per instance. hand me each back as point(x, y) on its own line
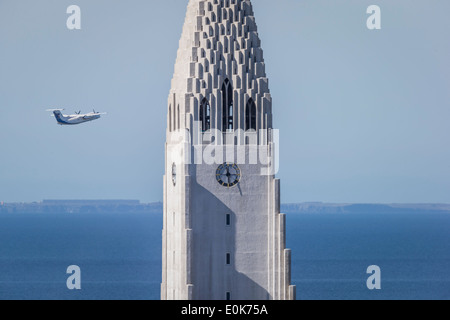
point(58, 115)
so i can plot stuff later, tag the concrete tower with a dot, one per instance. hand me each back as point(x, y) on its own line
point(223, 234)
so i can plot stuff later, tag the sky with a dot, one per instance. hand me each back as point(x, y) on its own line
point(363, 114)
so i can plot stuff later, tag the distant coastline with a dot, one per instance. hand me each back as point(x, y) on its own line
point(135, 206)
point(81, 206)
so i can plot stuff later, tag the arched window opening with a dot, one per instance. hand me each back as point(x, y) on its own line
point(227, 105)
point(205, 115)
point(250, 115)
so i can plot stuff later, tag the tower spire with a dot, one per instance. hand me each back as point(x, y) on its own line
point(220, 40)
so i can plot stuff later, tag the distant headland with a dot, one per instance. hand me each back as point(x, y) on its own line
point(320, 207)
point(135, 206)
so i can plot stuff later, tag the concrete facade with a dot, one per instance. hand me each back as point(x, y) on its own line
point(222, 241)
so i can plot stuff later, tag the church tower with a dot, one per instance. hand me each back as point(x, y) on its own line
point(223, 233)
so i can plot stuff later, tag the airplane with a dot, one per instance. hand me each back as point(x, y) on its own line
point(76, 118)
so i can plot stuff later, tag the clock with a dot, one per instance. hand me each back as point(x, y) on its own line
point(228, 174)
point(174, 174)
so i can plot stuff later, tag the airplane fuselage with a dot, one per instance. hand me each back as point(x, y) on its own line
point(74, 119)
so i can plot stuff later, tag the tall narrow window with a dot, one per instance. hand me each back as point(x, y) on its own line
point(178, 117)
point(228, 258)
point(250, 115)
point(170, 118)
point(174, 119)
point(228, 295)
point(205, 115)
point(227, 105)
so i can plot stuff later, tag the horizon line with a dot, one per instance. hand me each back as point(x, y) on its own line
point(283, 203)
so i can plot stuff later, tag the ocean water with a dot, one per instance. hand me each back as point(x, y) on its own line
point(120, 255)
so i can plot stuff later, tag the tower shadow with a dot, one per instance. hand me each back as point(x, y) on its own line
point(216, 263)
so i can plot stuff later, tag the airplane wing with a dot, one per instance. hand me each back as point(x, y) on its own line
point(95, 114)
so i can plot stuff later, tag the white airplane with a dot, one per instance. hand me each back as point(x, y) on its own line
point(76, 118)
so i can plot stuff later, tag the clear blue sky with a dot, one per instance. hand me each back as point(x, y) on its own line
point(364, 116)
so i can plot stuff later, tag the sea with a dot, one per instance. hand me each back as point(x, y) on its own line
point(119, 256)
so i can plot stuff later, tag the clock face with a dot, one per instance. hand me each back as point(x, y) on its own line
point(228, 174)
point(174, 174)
